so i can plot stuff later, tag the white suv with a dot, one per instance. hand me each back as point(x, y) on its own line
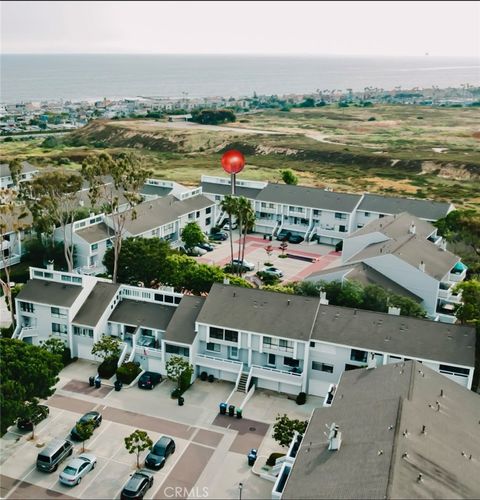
point(245, 264)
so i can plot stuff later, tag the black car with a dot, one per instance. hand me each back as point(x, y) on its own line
point(159, 453)
point(219, 236)
point(295, 238)
point(283, 235)
point(88, 417)
point(137, 486)
point(25, 424)
point(149, 380)
point(206, 246)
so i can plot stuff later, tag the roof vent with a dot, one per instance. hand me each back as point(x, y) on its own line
point(323, 298)
point(334, 438)
point(288, 302)
point(412, 229)
point(421, 266)
point(371, 363)
point(443, 245)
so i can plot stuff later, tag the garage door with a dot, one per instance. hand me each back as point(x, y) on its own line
point(318, 387)
point(84, 351)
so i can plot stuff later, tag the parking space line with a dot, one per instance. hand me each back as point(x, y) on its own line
point(20, 481)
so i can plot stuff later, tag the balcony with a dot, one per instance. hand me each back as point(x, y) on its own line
point(329, 232)
point(216, 363)
point(276, 375)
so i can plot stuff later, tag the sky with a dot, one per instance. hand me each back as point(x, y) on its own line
point(229, 27)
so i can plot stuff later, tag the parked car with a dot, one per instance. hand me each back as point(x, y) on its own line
point(244, 263)
point(295, 238)
point(195, 251)
point(221, 236)
point(226, 227)
point(77, 468)
point(283, 235)
point(54, 453)
point(149, 380)
point(273, 271)
point(159, 453)
point(27, 424)
point(138, 484)
point(94, 416)
point(207, 247)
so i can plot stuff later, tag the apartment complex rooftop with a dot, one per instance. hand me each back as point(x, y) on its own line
point(226, 189)
point(182, 325)
point(95, 233)
point(26, 168)
point(49, 292)
point(424, 209)
point(96, 304)
point(403, 436)
point(302, 318)
point(138, 313)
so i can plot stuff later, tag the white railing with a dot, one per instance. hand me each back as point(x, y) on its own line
point(276, 375)
point(26, 331)
point(322, 231)
point(123, 354)
point(455, 278)
point(248, 396)
point(220, 363)
point(148, 351)
point(239, 376)
point(11, 261)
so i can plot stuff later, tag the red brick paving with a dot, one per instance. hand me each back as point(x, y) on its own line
point(71, 404)
point(85, 388)
point(208, 438)
point(250, 432)
point(27, 490)
point(185, 473)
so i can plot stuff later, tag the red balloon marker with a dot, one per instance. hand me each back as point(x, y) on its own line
point(233, 161)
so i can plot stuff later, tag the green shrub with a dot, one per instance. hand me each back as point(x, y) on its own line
point(108, 368)
point(273, 458)
point(66, 356)
point(268, 279)
point(301, 398)
point(176, 393)
point(6, 333)
point(128, 372)
point(184, 380)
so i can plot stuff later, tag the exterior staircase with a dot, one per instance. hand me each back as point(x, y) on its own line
point(242, 383)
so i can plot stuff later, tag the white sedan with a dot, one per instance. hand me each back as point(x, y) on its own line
point(77, 468)
point(273, 271)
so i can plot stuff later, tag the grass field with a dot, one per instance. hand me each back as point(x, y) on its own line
point(406, 150)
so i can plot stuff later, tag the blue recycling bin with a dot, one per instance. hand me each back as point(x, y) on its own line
point(252, 457)
point(223, 408)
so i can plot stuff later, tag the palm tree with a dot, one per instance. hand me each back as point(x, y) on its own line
point(229, 205)
point(243, 210)
point(248, 223)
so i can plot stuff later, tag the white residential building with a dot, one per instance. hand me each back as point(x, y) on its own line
point(27, 173)
point(282, 342)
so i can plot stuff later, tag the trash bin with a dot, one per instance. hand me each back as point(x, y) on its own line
point(223, 408)
point(181, 400)
point(239, 413)
point(252, 457)
point(91, 381)
point(231, 410)
point(118, 385)
point(264, 236)
point(270, 237)
point(98, 382)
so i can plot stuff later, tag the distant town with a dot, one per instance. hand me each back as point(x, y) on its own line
point(63, 115)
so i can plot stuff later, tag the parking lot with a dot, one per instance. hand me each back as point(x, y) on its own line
point(323, 256)
point(210, 457)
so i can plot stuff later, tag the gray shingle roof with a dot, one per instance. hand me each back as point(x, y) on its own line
point(182, 326)
point(270, 313)
point(49, 293)
point(155, 213)
point(224, 189)
point(149, 189)
point(96, 303)
point(425, 209)
point(95, 233)
point(26, 168)
point(146, 314)
point(309, 197)
point(373, 409)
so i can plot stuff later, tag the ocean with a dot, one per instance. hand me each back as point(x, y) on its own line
point(87, 77)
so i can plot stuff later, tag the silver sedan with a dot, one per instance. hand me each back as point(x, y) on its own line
point(77, 468)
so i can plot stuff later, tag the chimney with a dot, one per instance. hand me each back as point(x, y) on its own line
point(334, 438)
point(395, 311)
point(412, 229)
point(443, 245)
point(371, 363)
point(421, 266)
point(50, 265)
point(323, 298)
point(226, 281)
point(288, 302)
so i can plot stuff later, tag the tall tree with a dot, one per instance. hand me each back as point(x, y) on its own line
point(175, 367)
point(288, 177)
point(128, 173)
point(107, 347)
point(192, 235)
point(137, 442)
point(469, 310)
point(85, 431)
point(15, 167)
point(229, 206)
point(248, 224)
point(27, 372)
point(13, 219)
point(52, 199)
point(284, 429)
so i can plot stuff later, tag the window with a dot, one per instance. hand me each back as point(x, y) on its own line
point(267, 341)
point(312, 344)
point(367, 214)
point(322, 367)
point(233, 352)
point(216, 333)
point(109, 244)
point(263, 205)
point(58, 313)
point(271, 360)
point(226, 335)
point(208, 221)
point(359, 356)
point(351, 367)
point(280, 344)
point(208, 210)
point(217, 197)
point(94, 247)
point(283, 343)
point(271, 205)
point(85, 332)
point(342, 229)
point(454, 370)
point(359, 226)
point(191, 216)
point(317, 212)
point(231, 336)
point(290, 362)
point(197, 215)
point(381, 216)
point(211, 346)
point(339, 215)
point(59, 328)
point(175, 349)
point(27, 307)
